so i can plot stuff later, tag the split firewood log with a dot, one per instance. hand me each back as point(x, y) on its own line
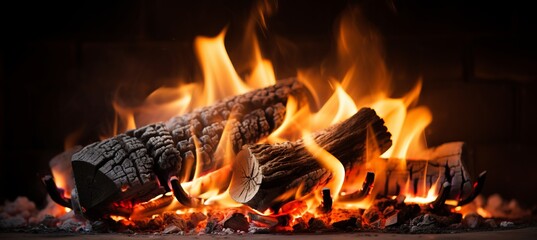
point(136, 166)
point(262, 173)
point(433, 167)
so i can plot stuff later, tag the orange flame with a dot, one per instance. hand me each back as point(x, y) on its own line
point(360, 79)
point(327, 161)
point(220, 78)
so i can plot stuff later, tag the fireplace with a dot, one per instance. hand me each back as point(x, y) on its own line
point(69, 74)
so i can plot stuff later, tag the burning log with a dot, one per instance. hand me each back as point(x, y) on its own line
point(138, 165)
point(135, 166)
point(263, 172)
point(443, 166)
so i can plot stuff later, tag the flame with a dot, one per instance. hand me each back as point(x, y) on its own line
point(484, 213)
point(220, 78)
point(359, 79)
point(60, 165)
point(61, 180)
point(474, 209)
point(327, 161)
point(117, 218)
point(431, 195)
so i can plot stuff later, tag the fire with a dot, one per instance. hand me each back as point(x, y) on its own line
point(361, 79)
point(432, 193)
point(329, 162)
point(220, 80)
point(334, 101)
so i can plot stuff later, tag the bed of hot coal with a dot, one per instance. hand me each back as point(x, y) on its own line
point(385, 215)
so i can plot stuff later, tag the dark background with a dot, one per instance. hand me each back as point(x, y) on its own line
point(62, 64)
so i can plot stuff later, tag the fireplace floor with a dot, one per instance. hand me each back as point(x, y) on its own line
point(524, 233)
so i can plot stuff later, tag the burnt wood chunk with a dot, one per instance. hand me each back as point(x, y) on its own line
point(263, 172)
point(136, 165)
point(434, 166)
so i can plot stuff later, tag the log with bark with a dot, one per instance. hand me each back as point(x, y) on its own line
point(432, 168)
point(136, 166)
point(114, 174)
point(262, 173)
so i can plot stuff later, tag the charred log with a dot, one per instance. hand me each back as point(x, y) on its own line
point(263, 172)
point(136, 166)
point(439, 165)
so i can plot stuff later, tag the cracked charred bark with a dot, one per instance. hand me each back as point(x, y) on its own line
point(135, 166)
point(444, 163)
point(262, 173)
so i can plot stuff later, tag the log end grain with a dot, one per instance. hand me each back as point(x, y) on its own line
point(247, 177)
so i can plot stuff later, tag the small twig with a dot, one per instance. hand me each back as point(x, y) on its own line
point(478, 186)
point(181, 195)
point(55, 193)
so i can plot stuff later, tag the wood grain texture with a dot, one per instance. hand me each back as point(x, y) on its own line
point(135, 166)
point(444, 163)
point(263, 172)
